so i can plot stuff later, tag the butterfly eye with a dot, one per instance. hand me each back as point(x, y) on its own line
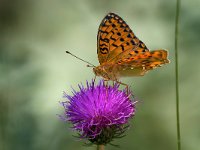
point(96, 71)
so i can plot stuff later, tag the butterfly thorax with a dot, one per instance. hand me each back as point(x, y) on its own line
point(108, 71)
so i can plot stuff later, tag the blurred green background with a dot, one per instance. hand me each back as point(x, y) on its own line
point(35, 70)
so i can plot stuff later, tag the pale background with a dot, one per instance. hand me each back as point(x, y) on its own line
point(35, 70)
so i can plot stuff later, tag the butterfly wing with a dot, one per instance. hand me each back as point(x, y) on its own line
point(131, 64)
point(115, 37)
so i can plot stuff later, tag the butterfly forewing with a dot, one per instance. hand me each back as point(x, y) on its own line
point(115, 37)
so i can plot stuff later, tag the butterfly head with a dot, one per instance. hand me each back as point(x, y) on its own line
point(102, 71)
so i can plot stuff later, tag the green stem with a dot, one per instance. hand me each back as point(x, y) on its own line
point(100, 147)
point(176, 72)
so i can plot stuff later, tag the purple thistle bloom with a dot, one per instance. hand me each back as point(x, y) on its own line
point(99, 112)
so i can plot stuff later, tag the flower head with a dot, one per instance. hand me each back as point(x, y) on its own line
point(99, 112)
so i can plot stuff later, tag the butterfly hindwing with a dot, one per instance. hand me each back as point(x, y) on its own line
point(115, 37)
point(138, 64)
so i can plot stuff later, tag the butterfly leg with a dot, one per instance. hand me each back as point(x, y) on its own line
point(95, 78)
point(106, 85)
point(113, 83)
point(127, 89)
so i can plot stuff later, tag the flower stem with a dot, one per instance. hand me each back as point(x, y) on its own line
point(100, 147)
point(176, 74)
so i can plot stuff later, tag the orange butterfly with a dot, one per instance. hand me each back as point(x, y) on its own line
point(121, 53)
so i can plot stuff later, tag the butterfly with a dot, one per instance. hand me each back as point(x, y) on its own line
point(121, 53)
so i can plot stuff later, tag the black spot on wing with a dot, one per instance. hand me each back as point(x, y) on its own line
point(113, 39)
point(112, 32)
point(121, 39)
point(129, 36)
point(132, 42)
point(114, 45)
point(104, 40)
point(103, 31)
point(119, 34)
point(104, 50)
point(113, 25)
point(103, 44)
point(122, 47)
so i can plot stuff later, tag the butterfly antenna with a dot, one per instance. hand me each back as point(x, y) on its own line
point(89, 64)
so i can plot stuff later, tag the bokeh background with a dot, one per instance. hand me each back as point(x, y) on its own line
point(35, 70)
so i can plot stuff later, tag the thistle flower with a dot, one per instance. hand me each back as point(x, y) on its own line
point(99, 112)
